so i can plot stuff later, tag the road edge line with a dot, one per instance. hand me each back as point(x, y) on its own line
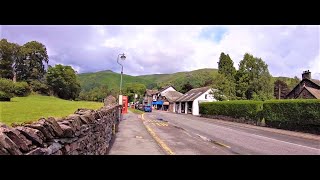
point(157, 139)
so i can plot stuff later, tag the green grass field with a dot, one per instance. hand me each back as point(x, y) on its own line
point(33, 107)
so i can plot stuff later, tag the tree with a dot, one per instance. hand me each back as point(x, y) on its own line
point(186, 87)
point(134, 88)
point(225, 66)
point(9, 53)
point(63, 81)
point(225, 79)
point(253, 79)
point(31, 64)
point(293, 82)
point(225, 86)
point(280, 89)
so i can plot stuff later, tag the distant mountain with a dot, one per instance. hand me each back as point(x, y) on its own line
point(89, 81)
point(196, 78)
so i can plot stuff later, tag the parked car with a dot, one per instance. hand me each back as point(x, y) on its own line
point(147, 108)
point(141, 107)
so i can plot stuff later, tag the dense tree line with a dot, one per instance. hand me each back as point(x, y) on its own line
point(251, 81)
point(23, 68)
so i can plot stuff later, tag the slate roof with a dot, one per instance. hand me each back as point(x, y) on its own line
point(172, 95)
point(316, 81)
point(314, 92)
point(151, 92)
point(193, 94)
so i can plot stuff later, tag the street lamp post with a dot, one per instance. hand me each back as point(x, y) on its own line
point(122, 57)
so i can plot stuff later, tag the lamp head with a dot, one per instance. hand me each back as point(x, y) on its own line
point(122, 57)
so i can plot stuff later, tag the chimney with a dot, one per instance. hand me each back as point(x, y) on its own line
point(306, 75)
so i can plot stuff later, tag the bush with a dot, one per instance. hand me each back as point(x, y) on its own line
point(39, 87)
point(248, 110)
point(293, 114)
point(4, 96)
point(6, 89)
point(22, 89)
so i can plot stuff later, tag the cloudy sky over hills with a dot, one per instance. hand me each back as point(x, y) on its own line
point(288, 50)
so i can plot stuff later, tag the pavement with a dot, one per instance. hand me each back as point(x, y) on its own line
point(187, 134)
point(134, 139)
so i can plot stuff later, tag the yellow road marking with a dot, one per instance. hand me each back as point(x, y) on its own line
point(215, 142)
point(157, 139)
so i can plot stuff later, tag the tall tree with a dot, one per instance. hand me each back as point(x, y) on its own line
point(63, 81)
point(31, 66)
point(225, 86)
point(225, 66)
point(253, 79)
point(280, 89)
point(9, 53)
point(225, 80)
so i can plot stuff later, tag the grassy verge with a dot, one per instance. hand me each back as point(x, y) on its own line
point(136, 111)
point(33, 107)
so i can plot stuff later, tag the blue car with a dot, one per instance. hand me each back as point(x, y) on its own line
point(147, 108)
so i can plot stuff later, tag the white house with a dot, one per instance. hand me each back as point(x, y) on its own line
point(189, 102)
point(163, 90)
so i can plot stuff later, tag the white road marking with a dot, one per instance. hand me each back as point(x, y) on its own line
point(271, 138)
point(261, 137)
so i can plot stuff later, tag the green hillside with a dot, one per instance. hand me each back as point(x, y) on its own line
point(90, 80)
point(196, 78)
point(291, 82)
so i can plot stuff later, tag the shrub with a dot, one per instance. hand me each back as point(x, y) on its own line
point(4, 96)
point(297, 114)
point(6, 89)
point(249, 110)
point(21, 89)
point(292, 114)
point(39, 87)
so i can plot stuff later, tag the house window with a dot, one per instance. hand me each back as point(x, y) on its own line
point(206, 96)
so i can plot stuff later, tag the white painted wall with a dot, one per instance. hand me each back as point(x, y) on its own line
point(174, 107)
point(154, 97)
point(168, 89)
point(195, 104)
point(186, 108)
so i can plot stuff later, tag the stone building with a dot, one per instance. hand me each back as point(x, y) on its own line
point(307, 88)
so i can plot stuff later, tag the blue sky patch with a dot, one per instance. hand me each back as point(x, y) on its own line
point(215, 33)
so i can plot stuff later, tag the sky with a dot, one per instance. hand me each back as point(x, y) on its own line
point(153, 49)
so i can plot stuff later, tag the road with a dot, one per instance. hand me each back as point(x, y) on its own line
point(187, 134)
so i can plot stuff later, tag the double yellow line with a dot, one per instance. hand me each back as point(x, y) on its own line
point(157, 139)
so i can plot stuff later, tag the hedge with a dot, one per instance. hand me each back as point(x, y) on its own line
point(248, 110)
point(295, 114)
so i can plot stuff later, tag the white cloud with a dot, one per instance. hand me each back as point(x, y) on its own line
point(288, 50)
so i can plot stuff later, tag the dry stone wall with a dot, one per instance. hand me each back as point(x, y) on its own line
point(86, 132)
